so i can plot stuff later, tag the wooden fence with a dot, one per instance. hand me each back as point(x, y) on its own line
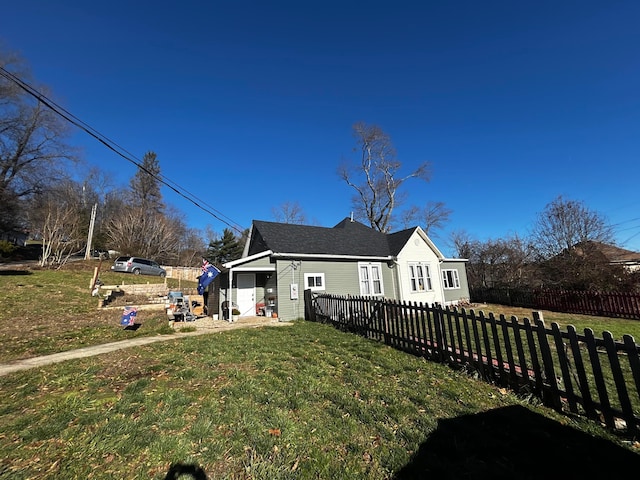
point(570, 372)
point(183, 273)
point(614, 304)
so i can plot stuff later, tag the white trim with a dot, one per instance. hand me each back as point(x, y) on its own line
point(370, 280)
point(240, 261)
point(455, 278)
point(315, 275)
point(321, 255)
point(230, 299)
point(255, 269)
point(427, 278)
point(430, 243)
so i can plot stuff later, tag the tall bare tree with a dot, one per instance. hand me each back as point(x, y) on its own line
point(566, 223)
point(192, 248)
point(375, 178)
point(290, 212)
point(505, 262)
point(58, 219)
point(432, 217)
point(135, 232)
point(33, 149)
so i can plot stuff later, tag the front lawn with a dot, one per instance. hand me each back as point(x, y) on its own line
point(305, 402)
point(49, 311)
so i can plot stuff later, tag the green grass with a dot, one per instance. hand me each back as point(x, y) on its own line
point(617, 326)
point(303, 401)
point(48, 311)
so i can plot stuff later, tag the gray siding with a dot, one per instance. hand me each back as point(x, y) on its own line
point(341, 278)
point(259, 262)
point(463, 292)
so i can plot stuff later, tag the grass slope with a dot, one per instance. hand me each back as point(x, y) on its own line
point(305, 402)
point(262, 404)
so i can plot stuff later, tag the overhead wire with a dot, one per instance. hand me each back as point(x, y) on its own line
point(113, 146)
point(634, 227)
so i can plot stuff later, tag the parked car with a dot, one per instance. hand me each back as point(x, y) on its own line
point(101, 254)
point(138, 266)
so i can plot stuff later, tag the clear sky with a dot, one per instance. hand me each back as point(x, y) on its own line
point(250, 104)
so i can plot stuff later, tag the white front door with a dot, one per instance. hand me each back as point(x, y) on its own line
point(246, 283)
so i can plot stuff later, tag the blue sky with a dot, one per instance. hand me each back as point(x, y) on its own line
point(249, 105)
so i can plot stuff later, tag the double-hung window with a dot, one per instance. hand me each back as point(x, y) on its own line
point(420, 277)
point(450, 279)
point(371, 279)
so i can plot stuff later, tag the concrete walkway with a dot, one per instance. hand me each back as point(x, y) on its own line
point(202, 326)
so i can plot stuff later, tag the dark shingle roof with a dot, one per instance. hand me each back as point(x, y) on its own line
point(346, 238)
point(612, 253)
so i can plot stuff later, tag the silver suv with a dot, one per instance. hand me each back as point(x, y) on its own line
point(137, 266)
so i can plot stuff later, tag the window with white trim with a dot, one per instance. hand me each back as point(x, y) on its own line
point(450, 279)
point(420, 277)
point(371, 279)
point(314, 281)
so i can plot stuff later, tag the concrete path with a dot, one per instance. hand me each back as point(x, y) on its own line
point(201, 325)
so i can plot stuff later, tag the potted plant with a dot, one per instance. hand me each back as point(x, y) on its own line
point(235, 314)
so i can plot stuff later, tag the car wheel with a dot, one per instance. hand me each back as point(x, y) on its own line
point(162, 274)
point(136, 271)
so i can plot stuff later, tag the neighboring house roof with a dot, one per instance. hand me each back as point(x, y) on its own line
point(347, 238)
point(616, 254)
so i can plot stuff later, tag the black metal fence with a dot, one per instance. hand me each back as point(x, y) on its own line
point(570, 372)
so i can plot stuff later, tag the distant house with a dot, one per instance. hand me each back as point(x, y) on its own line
point(615, 255)
point(15, 237)
point(282, 260)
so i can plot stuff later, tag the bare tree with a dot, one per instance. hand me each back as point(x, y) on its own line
point(566, 223)
point(433, 216)
point(33, 151)
point(375, 179)
point(97, 189)
point(290, 212)
point(583, 267)
point(133, 231)
point(59, 220)
point(504, 262)
point(462, 243)
point(192, 248)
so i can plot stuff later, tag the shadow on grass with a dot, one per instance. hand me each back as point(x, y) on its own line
point(514, 442)
point(14, 272)
point(184, 471)
point(133, 327)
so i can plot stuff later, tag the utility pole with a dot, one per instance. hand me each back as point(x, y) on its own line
point(87, 251)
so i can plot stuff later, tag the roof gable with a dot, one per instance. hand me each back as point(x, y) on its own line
point(612, 253)
point(399, 241)
point(346, 238)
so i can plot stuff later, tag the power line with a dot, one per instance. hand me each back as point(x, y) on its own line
point(111, 145)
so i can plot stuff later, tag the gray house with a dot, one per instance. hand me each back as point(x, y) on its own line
point(282, 260)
